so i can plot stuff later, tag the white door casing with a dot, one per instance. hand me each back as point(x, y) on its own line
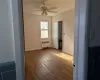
point(81, 38)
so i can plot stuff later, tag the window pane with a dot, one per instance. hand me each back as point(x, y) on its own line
point(44, 25)
point(44, 34)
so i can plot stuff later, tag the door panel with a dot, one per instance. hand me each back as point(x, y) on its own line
point(55, 35)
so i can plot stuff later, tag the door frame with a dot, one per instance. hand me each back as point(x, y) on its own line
point(80, 39)
point(17, 19)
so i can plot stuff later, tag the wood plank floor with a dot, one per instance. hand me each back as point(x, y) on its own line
point(48, 64)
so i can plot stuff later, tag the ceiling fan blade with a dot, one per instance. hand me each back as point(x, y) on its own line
point(52, 11)
point(51, 8)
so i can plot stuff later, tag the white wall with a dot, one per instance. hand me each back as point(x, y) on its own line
point(32, 31)
point(68, 28)
point(6, 32)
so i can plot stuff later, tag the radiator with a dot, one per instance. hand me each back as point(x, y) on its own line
point(45, 44)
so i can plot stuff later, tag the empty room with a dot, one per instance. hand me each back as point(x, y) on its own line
point(48, 39)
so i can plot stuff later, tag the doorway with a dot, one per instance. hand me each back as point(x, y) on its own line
point(39, 33)
point(60, 35)
point(19, 50)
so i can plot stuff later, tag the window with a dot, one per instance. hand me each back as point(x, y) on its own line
point(44, 29)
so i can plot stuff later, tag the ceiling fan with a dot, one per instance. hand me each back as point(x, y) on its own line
point(45, 9)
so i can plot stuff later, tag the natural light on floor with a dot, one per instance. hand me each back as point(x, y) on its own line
point(67, 57)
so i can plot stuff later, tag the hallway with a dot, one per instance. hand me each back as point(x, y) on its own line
point(48, 64)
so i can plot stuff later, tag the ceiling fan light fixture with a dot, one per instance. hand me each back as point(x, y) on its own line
point(44, 13)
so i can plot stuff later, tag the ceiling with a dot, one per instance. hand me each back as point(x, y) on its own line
point(30, 6)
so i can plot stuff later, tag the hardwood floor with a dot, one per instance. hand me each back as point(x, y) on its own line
point(48, 64)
